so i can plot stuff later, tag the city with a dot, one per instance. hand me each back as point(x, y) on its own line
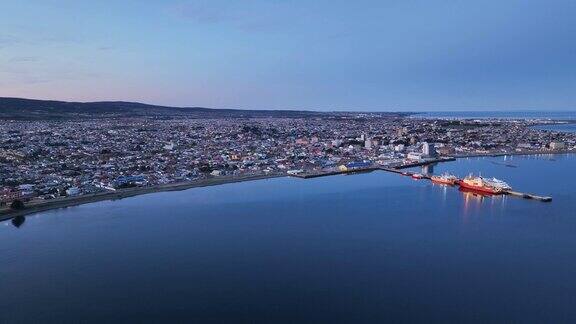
point(268, 161)
point(46, 160)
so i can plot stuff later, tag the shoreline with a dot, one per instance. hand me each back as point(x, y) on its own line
point(6, 213)
point(558, 152)
point(46, 205)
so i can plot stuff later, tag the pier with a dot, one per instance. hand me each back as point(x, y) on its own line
point(504, 192)
point(528, 196)
point(398, 170)
point(309, 175)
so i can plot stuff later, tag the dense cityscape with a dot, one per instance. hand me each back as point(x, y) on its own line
point(44, 160)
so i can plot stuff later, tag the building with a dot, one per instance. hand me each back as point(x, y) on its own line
point(73, 191)
point(557, 145)
point(302, 141)
point(368, 144)
point(428, 149)
point(355, 166)
point(445, 150)
point(7, 196)
point(415, 156)
point(337, 142)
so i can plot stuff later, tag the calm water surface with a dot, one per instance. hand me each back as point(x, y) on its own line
point(501, 114)
point(567, 128)
point(359, 249)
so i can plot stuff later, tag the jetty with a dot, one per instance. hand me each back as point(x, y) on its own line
point(527, 196)
point(398, 169)
point(373, 167)
point(504, 192)
point(309, 175)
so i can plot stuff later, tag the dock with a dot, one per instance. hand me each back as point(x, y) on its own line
point(398, 170)
point(528, 196)
point(310, 175)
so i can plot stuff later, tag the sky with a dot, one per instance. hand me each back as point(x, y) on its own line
point(302, 54)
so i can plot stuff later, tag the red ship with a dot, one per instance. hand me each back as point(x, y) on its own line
point(480, 185)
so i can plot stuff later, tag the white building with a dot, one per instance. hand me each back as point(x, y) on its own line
point(557, 145)
point(368, 144)
point(428, 149)
point(294, 172)
point(415, 156)
point(73, 191)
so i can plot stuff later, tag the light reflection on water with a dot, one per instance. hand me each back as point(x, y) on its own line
point(375, 247)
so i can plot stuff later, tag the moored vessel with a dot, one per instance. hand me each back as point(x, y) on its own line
point(446, 178)
point(497, 183)
point(480, 184)
point(417, 176)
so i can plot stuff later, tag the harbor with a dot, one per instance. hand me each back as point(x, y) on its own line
point(326, 227)
point(361, 167)
point(400, 168)
point(460, 183)
point(452, 181)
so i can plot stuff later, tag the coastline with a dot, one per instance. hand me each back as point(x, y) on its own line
point(542, 152)
point(6, 213)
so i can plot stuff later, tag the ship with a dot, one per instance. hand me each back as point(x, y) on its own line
point(446, 178)
point(480, 184)
point(499, 184)
point(417, 176)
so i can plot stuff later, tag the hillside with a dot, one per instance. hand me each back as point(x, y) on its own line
point(31, 109)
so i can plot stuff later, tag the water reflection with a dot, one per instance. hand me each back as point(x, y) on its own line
point(428, 168)
point(18, 221)
point(304, 234)
point(473, 200)
point(444, 189)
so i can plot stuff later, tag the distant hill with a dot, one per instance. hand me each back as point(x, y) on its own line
point(31, 109)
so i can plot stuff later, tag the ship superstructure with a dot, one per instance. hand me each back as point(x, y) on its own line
point(445, 178)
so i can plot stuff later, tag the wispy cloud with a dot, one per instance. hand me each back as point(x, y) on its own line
point(249, 15)
point(24, 59)
point(205, 11)
point(35, 39)
point(8, 40)
point(106, 48)
point(21, 72)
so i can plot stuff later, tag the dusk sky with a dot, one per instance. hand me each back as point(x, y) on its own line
point(318, 55)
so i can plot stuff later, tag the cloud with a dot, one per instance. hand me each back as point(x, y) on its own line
point(248, 15)
point(106, 48)
point(22, 73)
point(205, 11)
point(8, 40)
point(36, 39)
point(23, 59)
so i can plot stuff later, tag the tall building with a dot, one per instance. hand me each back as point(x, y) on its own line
point(428, 149)
point(368, 144)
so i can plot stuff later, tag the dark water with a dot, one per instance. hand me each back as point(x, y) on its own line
point(567, 128)
point(501, 114)
point(359, 249)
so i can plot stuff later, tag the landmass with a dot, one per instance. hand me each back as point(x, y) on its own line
point(57, 154)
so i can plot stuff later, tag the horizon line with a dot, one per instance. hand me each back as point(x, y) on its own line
point(405, 110)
